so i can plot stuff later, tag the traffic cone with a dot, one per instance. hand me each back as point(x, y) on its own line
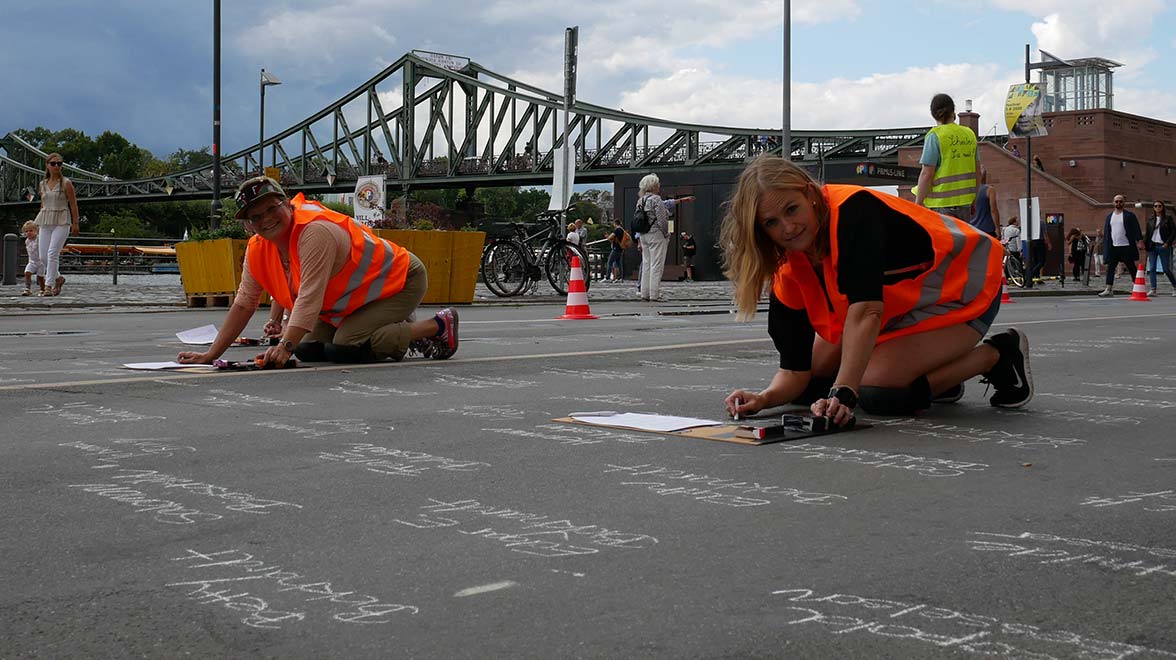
point(577, 307)
point(1139, 291)
point(1005, 298)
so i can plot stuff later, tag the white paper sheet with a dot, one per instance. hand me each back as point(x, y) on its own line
point(163, 366)
point(203, 335)
point(643, 421)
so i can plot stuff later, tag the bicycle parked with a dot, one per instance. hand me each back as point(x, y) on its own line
point(1014, 268)
point(516, 264)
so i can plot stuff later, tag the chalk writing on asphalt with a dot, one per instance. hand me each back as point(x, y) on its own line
point(82, 413)
point(929, 429)
point(1112, 556)
point(129, 448)
point(224, 576)
point(241, 398)
point(398, 462)
point(483, 382)
point(669, 482)
point(593, 374)
point(692, 388)
point(320, 428)
point(1099, 400)
point(729, 359)
point(490, 412)
point(1157, 501)
point(535, 534)
point(616, 400)
point(892, 621)
point(575, 435)
point(1145, 389)
point(1069, 415)
point(117, 482)
point(679, 366)
point(927, 467)
point(360, 389)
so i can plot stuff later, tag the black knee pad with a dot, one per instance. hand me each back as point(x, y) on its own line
point(346, 354)
point(310, 351)
point(818, 388)
point(908, 400)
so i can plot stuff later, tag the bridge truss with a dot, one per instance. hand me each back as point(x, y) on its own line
point(423, 125)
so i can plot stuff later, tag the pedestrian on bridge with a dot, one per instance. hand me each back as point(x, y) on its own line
point(350, 294)
point(873, 298)
point(57, 219)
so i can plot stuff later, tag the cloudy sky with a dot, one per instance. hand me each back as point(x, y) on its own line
point(143, 68)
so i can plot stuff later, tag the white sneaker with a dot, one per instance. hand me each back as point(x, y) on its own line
point(1105, 293)
point(1151, 292)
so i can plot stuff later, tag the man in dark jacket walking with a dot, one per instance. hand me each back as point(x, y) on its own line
point(1122, 242)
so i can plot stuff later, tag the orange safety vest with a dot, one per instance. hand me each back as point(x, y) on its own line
point(376, 269)
point(956, 287)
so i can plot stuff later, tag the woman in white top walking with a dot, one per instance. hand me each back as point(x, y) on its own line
point(57, 219)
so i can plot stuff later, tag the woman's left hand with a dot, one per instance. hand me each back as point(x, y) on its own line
point(837, 412)
point(73, 229)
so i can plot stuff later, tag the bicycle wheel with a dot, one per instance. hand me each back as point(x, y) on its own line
point(1015, 272)
point(558, 265)
point(504, 268)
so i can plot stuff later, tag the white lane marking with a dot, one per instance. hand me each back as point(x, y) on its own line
point(501, 358)
point(494, 586)
point(385, 365)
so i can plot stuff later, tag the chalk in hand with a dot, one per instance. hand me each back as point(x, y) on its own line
point(737, 404)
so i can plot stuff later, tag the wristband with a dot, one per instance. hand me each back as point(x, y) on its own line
point(845, 395)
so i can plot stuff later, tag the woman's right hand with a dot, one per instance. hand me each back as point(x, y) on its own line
point(742, 403)
point(272, 329)
point(191, 357)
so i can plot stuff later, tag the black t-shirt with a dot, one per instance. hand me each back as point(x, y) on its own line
point(877, 246)
point(689, 247)
point(618, 235)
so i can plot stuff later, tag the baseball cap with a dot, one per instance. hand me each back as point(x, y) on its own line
point(252, 190)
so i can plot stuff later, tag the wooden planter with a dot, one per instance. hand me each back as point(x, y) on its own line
point(451, 257)
point(211, 270)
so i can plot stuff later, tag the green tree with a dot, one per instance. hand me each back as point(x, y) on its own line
point(123, 224)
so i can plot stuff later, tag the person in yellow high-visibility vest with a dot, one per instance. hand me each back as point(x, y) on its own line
point(948, 182)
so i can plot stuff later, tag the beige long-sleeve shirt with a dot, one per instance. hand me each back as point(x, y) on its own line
point(323, 250)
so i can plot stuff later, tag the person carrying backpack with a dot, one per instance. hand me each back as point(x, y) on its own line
point(654, 213)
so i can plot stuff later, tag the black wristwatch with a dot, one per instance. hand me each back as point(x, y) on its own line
point(845, 395)
point(287, 345)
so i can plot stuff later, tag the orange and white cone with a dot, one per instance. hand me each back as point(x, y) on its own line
point(1139, 291)
point(577, 307)
point(1005, 298)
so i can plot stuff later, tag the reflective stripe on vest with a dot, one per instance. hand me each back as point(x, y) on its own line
point(954, 183)
point(375, 268)
point(957, 286)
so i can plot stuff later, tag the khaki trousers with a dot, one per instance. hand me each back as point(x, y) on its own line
point(384, 322)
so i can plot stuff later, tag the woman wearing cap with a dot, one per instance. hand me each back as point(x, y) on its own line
point(57, 219)
point(872, 297)
point(350, 294)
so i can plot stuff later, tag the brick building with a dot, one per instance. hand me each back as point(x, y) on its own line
point(1088, 157)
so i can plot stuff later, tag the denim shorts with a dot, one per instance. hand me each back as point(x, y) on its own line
point(983, 322)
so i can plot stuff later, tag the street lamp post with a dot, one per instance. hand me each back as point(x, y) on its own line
point(786, 132)
point(267, 79)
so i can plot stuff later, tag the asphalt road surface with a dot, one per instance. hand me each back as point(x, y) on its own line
point(434, 510)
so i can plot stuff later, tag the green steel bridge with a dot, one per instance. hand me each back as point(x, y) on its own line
point(449, 122)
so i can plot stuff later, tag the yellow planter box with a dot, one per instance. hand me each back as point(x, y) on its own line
point(211, 267)
point(452, 259)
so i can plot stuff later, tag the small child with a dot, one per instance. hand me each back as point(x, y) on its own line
point(34, 266)
point(573, 236)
